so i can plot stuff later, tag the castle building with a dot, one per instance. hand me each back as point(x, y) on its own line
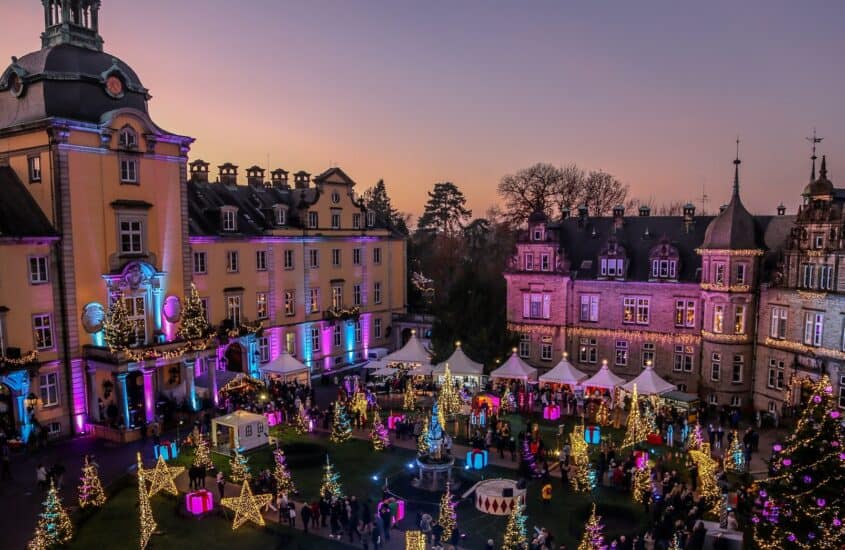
point(739, 309)
point(97, 204)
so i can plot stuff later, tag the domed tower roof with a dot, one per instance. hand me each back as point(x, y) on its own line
point(734, 228)
point(70, 76)
point(820, 186)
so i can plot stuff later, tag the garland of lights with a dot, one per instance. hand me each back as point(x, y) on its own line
point(542, 330)
point(729, 252)
point(725, 338)
point(592, 538)
point(798, 347)
point(54, 526)
point(340, 313)
point(637, 335)
point(725, 288)
point(247, 507)
point(161, 477)
point(91, 493)
point(245, 328)
point(812, 296)
point(26, 359)
point(145, 512)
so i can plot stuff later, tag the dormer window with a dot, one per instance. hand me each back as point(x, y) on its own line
point(664, 261)
point(664, 269)
point(280, 214)
point(128, 139)
point(537, 234)
point(612, 267)
point(230, 218)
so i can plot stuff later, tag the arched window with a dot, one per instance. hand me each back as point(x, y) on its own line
point(127, 139)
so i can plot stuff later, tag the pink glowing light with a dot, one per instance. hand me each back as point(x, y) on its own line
point(199, 502)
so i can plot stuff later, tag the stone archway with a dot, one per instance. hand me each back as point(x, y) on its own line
point(235, 355)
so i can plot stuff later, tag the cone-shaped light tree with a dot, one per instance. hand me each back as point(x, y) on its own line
point(592, 539)
point(635, 430)
point(409, 400)
point(239, 465)
point(91, 493)
point(193, 324)
point(580, 481)
point(448, 518)
point(331, 482)
point(54, 527)
point(341, 425)
point(422, 440)
point(202, 453)
point(449, 398)
point(516, 534)
point(284, 482)
point(734, 459)
point(117, 328)
point(379, 436)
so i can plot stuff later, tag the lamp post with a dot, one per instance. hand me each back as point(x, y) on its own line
point(30, 402)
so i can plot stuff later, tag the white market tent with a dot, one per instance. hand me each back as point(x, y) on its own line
point(515, 368)
point(241, 430)
point(564, 373)
point(413, 355)
point(287, 367)
point(649, 383)
point(462, 367)
point(604, 379)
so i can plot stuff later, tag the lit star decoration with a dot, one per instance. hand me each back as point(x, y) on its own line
point(247, 507)
point(91, 494)
point(592, 538)
point(147, 523)
point(54, 527)
point(161, 477)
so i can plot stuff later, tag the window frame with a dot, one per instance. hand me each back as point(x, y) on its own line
point(263, 349)
point(48, 391)
point(290, 303)
point(524, 349)
point(133, 235)
point(288, 259)
point(313, 220)
point(41, 273)
point(262, 305)
point(33, 167)
point(622, 356)
point(43, 329)
point(377, 255)
point(234, 305)
point(129, 170)
point(377, 292)
point(778, 324)
point(589, 305)
point(377, 328)
point(200, 262)
point(261, 260)
point(356, 256)
point(233, 261)
point(336, 257)
point(313, 258)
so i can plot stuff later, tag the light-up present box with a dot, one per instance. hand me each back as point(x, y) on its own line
point(400, 509)
point(199, 502)
point(551, 412)
point(592, 435)
point(476, 459)
point(393, 419)
point(273, 418)
point(167, 449)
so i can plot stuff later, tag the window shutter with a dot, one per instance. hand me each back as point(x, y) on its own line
point(526, 305)
point(547, 306)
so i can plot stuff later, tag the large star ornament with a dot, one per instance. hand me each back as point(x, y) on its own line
point(247, 507)
point(161, 477)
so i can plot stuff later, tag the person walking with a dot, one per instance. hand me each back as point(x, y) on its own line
point(306, 516)
point(41, 477)
point(292, 515)
point(221, 483)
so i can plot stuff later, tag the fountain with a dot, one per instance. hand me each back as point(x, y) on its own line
point(435, 468)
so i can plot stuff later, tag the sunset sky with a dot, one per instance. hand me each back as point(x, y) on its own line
point(415, 93)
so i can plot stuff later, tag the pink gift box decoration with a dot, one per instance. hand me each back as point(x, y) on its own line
point(551, 412)
point(400, 509)
point(199, 502)
point(274, 418)
point(476, 459)
point(592, 435)
point(393, 419)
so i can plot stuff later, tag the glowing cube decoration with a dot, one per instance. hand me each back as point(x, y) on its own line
point(592, 435)
point(476, 459)
point(400, 509)
point(199, 502)
point(393, 419)
point(551, 412)
point(273, 418)
point(167, 449)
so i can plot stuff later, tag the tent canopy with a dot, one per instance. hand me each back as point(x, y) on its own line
point(413, 353)
point(649, 383)
point(516, 368)
point(459, 364)
point(604, 379)
point(564, 373)
point(238, 418)
point(286, 366)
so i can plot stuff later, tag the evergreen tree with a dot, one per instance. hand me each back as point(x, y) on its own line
point(734, 459)
point(516, 534)
point(603, 415)
point(801, 503)
point(341, 426)
point(448, 397)
point(641, 484)
point(635, 429)
point(91, 493)
point(448, 518)
point(422, 440)
point(300, 420)
point(708, 487)
point(54, 528)
point(409, 401)
point(695, 439)
point(145, 515)
point(202, 453)
point(445, 211)
point(193, 324)
point(379, 436)
point(239, 465)
point(377, 201)
point(331, 482)
point(119, 330)
point(580, 481)
point(592, 538)
point(284, 481)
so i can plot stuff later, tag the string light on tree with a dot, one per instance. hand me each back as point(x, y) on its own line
point(448, 518)
point(414, 540)
point(409, 400)
point(695, 439)
point(341, 426)
point(161, 477)
point(91, 493)
point(145, 512)
point(580, 478)
point(117, 327)
point(284, 481)
point(735, 456)
point(708, 488)
point(592, 539)
point(193, 324)
point(449, 399)
point(247, 507)
point(379, 436)
point(300, 420)
point(635, 430)
point(202, 453)
point(603, 415)
point(516, 534)
point(239, 466)
point(422, 440)
point(54, 527)
point(330, 486)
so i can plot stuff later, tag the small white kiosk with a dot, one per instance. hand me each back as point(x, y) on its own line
point(240, 430)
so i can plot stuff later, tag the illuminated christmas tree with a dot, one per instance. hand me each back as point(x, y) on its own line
point(422, 440)
point(301, 420)
point(193, 324)
point(635, 430)
point(358, 405)
point(202, 453)
point(592, 539)
point(54, 527)
point(284, 482)
point(735, 456)
point(603, 415)
point(676, 542)
point(239, 465)
point(516, 534)
point(448, 518)
point(802, 500)
point(508, 402)
point(379, 436)
point(331, 482)
point(409, 402)
point(91, 494)
point(580, 480)
point(145, 516)
point(117, 328)
point(708, 487)
point(449, 399)
point(341, 426)
point(695, 439)
point(641, 483)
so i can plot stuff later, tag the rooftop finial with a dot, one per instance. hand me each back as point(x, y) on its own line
point(737, 162)
point(823, 169)
point(814, 140)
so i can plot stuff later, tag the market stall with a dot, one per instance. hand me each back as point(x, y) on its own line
point(464, 370)
point(564, 374)
point(287, 368)
point(649, 383)
point(515, 369)
point(604, 381)
point(239, 430)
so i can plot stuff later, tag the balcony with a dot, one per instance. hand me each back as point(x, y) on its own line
point(342, 314)
point(169, 350)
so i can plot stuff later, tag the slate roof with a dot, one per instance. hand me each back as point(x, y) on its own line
point(20, 215)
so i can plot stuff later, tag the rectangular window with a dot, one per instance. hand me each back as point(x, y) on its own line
point(536, 306)
point(131, 233)
point(261, 260)
point(313, 220)
point(740, 273)
point(313, 258)
point(371, 219)
point(356, 221)
point(337, 297)
point(290, 342)
point(842, 392)
point(739, 319)
point(673, 269)
point(290, 303)
point(684, 313)
point(200, 264)
point(264, 349)
point(546, 352)
point(377, 255)
point(205, 309)
point(356, 295)
point(38, 269)
point(281, 216)
point(736, 401)
point(358, 332)
point(718, 319)
point(377, 328)
point(34, 164)
point(313, 300)
point(635, 310)
point(621, 353)
point(683, 358)
point(818, 241)
point(807, 279)
point(356, 256)
point(335, 257)
point(233, 309)
point(719, 277)
point(136, 313)
point(716, 367)
point(778, 325)
point(589, 308)
point(335, 219)
point(648, 354)
point(813, 328)
point(315, 339)
point(261, 305)
point(128, 171)
point(232, 261)
point(376, 293)
point(288, 259)
point(826, 277)
point(642, 311)
point(529, 262)
point(664, 268)
point(545, 265)
point(49, 384)
point(230, 220)
point(588, 350)
point(736, 368)
point(42, 325)
point(337, 339)
point(525, 345)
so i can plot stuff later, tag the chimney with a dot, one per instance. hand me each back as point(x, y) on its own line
point(689, 216)
point(781, 210)
point(582, 215)
point(255, 176)
point(645, 211)
point(618, 216)
point(199, 171)
point(279, 178)
point(301, 179)
point(228, 174)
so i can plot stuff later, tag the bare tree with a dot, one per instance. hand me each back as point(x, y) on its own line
point(674, 208)
point(530, 190)
point(602, 191)
point(570, 188)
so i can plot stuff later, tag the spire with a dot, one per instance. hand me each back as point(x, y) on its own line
point(737, 162)
point(823, 169)
point(814, 140)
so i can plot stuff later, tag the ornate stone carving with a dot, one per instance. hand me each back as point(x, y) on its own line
point(93, 316)
point(172, 308)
